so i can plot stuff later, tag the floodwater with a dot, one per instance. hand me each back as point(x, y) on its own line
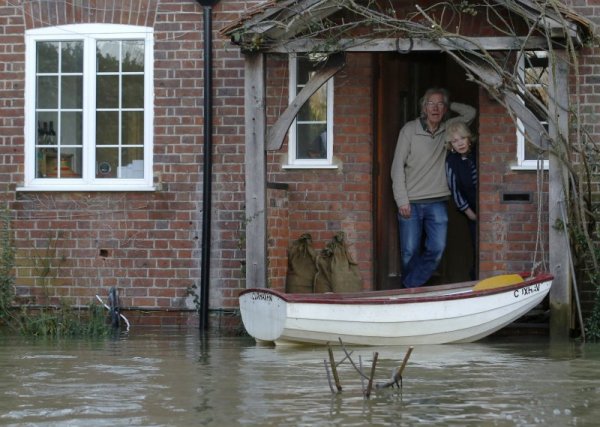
point(176, 378)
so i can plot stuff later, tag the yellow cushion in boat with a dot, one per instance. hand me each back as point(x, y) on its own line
point(498, 282)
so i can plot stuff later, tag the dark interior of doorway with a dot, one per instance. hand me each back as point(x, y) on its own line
point(400, 83)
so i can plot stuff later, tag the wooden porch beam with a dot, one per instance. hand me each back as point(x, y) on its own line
point(256, 175)
point(278, 131)
point(415, 45)
point(561, 312)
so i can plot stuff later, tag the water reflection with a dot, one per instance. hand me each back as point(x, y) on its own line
point(177, 379)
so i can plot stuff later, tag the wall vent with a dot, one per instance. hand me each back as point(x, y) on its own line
point(511, 197)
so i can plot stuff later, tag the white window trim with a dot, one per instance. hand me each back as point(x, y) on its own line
point(88, 33)
point(293, 162)
point(522, 163)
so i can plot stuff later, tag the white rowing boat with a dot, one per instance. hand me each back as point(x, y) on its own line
point(461, 312)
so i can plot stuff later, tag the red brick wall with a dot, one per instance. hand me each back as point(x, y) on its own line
point(587, 111)
point(278, 235)
point(228, 223)
point(12, 101)
point(43, 13)
point(507, 230)
point(325, 202)
point(77, 245)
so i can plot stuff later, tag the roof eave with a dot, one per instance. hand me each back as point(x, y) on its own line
point(278, 23)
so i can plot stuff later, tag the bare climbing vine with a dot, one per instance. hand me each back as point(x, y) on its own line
point(531, 25)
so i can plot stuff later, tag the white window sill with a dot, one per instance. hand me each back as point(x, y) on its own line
point(86, 188)
point(309, 166)
point(532, 168)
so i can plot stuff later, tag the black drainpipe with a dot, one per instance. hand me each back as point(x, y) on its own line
point(207, 185)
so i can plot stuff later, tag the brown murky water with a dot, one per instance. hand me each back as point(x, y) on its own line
point(174, 378)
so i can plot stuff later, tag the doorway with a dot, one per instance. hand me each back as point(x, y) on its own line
point(400, 82)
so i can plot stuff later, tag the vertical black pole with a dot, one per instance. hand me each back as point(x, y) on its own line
point(207, 185)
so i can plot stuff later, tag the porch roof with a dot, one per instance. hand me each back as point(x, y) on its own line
point(288, 25)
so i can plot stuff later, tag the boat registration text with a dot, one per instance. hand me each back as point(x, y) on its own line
point(262, 297)
point(527, 291)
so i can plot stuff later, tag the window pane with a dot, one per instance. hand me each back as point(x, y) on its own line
point(531, 152)
point(107, 161)
point(305, 70)
point(133, 127)
point(47, 57)
point(318, 104)
point(133, 91)
point(45, 161)
point(71, 128)
point(107, 56)
point(133, 56)
point(46, 132)
point(536, 67)
point(536, 82)
point(107, 128)
point(133, 161)
point(72, 57)
point(72, 92)
point(51, 164)
point(315, 109)
point(47, 92)
point(311, 141)
point(107, 92)
point(70, 163)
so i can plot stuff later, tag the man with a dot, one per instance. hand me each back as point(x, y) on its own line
point(420, 187)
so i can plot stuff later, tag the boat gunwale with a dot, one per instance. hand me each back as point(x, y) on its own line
point(404, 296)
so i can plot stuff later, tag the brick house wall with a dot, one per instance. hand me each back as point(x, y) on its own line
point(78, 245)
point(278, 239)
point(588, 111)
point(507, 227)
point(325, 202)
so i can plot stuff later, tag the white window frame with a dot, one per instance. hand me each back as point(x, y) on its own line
point(293, 162)
point(522, 162)
point(89, 34)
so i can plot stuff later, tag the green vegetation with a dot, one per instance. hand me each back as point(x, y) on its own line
point(54, 322)
point(7, 262)
point(589, 275)
point(62, 321)
point(592, 324)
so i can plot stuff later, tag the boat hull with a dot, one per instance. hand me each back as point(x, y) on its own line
point(430, 316)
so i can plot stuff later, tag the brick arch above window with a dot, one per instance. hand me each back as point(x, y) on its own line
point(41, 13)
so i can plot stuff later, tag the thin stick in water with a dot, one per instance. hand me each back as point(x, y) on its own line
point(334, 369)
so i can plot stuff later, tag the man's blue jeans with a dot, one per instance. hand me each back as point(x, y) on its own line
point(419, 260)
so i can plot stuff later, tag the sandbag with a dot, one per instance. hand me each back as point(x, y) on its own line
point(323, 277)
point(301, 266)
point(345, 276)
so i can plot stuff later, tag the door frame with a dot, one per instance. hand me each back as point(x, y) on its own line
point(396, 102)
